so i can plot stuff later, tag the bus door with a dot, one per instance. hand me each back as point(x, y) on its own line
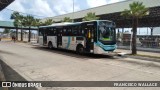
point(45, 36)
point(59, 37)
point(89, 33)
point(41, 34)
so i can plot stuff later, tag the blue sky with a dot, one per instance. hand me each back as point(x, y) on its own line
point(50, 8)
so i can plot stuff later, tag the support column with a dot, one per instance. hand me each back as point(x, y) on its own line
point(21, 34)
point(122, 30)
point(151, 30)
point(16, 33)
point(29, 36)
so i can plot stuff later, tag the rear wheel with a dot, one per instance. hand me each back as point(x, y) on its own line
point(80, 49)
point(50, 46)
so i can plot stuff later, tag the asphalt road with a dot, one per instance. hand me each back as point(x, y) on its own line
point(24, 62)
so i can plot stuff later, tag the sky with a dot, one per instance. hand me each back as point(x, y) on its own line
point(50, 8)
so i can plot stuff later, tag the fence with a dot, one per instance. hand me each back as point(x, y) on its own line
point(145, 41)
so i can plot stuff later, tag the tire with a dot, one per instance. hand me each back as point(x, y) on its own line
point(80, 49)
point(50, 46)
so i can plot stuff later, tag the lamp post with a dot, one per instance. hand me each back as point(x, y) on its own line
point(73, 12)
point(131, 40)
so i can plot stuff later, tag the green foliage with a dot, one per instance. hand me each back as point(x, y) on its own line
point(36, 22)
point(67, 19)
point(48, 22)
point(136, 10)
point(28, 20)
point(90, 16)
point(12, 33)
point(17, 19)
point(6, 31)
point(21, 20)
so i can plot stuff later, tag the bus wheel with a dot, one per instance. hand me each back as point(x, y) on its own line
point(80, 50)
point(50, 46)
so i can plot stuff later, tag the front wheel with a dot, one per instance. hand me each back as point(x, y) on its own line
point(80, 50)
point(50, 46)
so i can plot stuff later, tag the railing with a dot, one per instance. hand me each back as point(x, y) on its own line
point(142, 41)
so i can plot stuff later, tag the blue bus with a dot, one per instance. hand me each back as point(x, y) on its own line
point(97, 36)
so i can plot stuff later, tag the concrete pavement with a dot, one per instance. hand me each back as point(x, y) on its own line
point(145, 49)
point(143, 53)
point(32, 63)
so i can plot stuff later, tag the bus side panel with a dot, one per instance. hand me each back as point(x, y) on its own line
point(70, 42)
point(40, 38)
point(53, 40)
point(73, 43)
point(65, 42)
point(98, 50)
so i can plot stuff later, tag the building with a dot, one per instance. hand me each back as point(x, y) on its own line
point(5, 3)
point(113, 11)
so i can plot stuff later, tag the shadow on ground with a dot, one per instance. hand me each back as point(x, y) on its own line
point(12, 75)
point(73, 53)
point(98, 56)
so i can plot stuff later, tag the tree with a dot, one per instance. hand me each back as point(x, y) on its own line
point(17, 21)
point(48, 22)
point(136, 11)
point(90, 16)
point(28, 21)
point(36, 22)
point(6, 31)
point(67, 19)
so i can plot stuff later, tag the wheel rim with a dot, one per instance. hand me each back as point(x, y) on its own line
point(81, 50)
point(50, 45)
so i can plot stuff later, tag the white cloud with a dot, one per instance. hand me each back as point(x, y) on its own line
point(37, 7)
point(41, 8)
point(1, 18)
point(47, 8)
point(64, 6)
point(17, 6)
point(114, 1)
point(95, 3)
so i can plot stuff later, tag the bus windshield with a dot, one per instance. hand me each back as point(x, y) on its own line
point(106, 32)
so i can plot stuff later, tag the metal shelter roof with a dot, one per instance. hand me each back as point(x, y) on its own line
point(10, 25)
point(5, 3)
point(112, 12)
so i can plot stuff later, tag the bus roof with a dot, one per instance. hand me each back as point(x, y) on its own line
point(70, 23)
point(61, 24)
point(97, 20)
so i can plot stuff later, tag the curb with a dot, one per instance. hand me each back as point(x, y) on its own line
point(138, 49)
point(2, 77)
point(144, 58)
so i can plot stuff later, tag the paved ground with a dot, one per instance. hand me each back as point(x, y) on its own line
point(151, 54)
point(32, 63)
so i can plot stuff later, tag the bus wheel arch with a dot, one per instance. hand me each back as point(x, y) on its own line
point(50, 45)
point(80, 49)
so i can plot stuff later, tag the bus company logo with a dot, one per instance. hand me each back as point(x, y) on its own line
point(6, 84)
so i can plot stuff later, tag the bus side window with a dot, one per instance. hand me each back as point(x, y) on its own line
point(82, 32)
point(64, 32)
point(47, 32)
point(74, 30)
point(69, 31)
point(51, 32)
point(55, 32)
point(79, 31)
point(41, 32)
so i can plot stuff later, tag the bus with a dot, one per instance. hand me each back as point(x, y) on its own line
point(97, 36)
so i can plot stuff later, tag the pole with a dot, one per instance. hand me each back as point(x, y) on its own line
point(73, 12)
point(131, 42)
